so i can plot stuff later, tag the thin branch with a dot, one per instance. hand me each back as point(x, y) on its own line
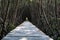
point(1, 19)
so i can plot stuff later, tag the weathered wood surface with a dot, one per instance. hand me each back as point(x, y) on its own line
point(26, 31)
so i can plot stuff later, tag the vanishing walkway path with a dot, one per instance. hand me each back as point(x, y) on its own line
point(26, 31)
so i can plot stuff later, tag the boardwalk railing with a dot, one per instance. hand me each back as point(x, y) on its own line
point(26, 31)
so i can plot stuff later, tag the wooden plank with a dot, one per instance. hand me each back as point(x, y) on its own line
point(26, 31)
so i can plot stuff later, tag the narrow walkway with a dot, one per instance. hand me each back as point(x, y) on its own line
point(26, 31)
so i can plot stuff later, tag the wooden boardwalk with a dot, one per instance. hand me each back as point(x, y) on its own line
point(26, 31)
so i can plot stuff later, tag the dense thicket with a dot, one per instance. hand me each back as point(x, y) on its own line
point(45, 14)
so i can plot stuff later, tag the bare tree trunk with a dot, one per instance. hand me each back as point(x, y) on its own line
point(15, 14)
